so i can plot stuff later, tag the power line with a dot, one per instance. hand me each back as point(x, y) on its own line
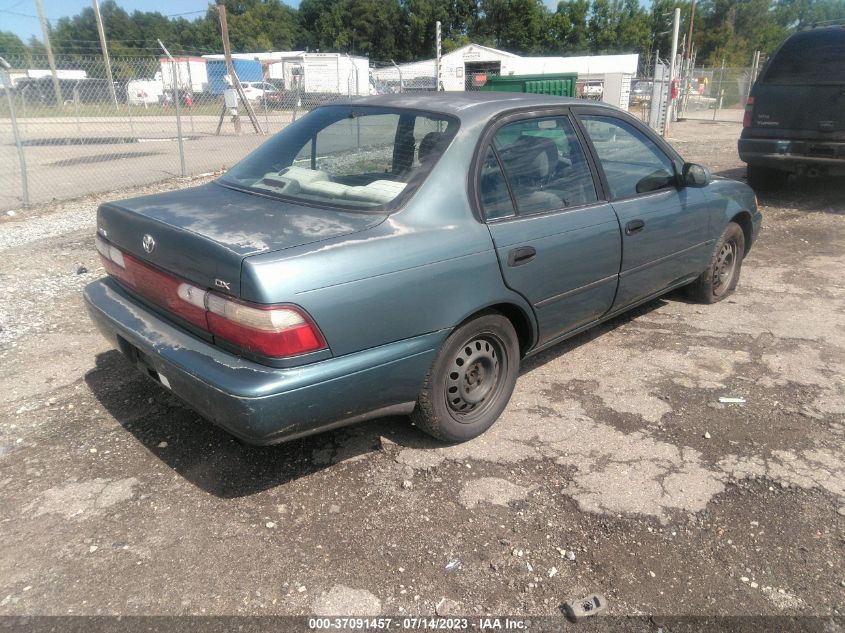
point(13, 5)
point(23, 15)
point(176, 15)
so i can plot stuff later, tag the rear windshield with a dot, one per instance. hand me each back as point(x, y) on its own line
point(810, 58)
point(361, 158)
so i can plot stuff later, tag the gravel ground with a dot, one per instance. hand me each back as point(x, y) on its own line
point(615, 469)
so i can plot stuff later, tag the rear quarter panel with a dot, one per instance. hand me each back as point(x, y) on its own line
point(424, 269)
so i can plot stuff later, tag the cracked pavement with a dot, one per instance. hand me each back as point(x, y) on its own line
point(616, 464)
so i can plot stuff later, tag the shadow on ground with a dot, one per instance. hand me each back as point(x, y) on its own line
point(214, 461)
point(817, 195)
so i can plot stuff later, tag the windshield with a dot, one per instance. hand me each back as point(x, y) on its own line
point(350, 157)
point(810, 58)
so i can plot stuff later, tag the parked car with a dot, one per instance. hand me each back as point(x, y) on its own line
point(593, 90)
point(795, 117)
point(641, 91)
point(257, 90)
point(403, 254)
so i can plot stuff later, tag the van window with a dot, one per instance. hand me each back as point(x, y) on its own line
point(815, 57)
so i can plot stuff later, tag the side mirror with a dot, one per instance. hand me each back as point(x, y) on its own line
point(695, 175)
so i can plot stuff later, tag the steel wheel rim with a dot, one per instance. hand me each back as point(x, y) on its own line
point(725, 268)
point(475, 377)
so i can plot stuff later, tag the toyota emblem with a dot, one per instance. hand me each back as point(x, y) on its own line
point(148, 243)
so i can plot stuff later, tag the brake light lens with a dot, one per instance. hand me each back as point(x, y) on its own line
point(749, 109)
point(276, 331)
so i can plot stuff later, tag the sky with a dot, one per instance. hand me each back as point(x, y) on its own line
point(21, 17)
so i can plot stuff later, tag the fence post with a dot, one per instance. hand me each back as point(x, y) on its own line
point(721, 91)
point(174, 77)
point(7, 85)
point(190, 92)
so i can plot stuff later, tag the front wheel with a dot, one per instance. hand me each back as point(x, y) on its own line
point(471, 380)
point(722, 274)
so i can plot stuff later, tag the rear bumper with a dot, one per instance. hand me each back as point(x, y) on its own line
point(793, 155)
point(256, 403)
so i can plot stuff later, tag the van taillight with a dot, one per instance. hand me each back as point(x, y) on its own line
point(749, 108)
point(275, 331)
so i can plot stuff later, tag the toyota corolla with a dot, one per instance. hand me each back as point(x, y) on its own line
point(403, 254)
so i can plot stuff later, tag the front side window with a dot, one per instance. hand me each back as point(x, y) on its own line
point(632, 163)
point(545, 165)
point(357, 158)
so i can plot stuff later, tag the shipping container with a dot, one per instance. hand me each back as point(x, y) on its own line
point(245, 69)
point(561, 85)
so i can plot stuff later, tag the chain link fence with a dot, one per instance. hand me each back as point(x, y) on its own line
point(715, 93)
point(164, 119)
point(169, 117)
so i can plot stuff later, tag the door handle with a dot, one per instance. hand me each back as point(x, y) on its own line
point(634, 226)
point(521, 255)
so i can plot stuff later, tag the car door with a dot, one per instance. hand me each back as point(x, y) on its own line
point(664, 226)
point(557, 241)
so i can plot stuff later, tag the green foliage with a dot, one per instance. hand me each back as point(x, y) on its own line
point(729, 30)
point(11, 45)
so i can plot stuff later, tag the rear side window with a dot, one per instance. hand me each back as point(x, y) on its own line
point(815, 57)
point(495, 197)
point(545, 165)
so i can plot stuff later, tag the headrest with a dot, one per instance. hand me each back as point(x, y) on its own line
point(428, 144)
point(530, 158)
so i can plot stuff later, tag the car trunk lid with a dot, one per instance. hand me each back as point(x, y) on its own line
point(203, 234)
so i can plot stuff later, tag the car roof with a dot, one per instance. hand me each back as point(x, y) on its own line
point(467, 106)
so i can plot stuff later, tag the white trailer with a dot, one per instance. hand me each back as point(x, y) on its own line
point(323, 73)
point(191, 74)
point(144, 92)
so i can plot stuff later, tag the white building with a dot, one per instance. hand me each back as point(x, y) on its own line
point(466, 68)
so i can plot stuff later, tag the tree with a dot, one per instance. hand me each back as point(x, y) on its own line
point(516, 25)
point(572, 15)
point(12, 46)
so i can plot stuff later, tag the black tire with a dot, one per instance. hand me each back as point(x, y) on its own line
point(722, 274)
point(471, 380)
point(766, 178)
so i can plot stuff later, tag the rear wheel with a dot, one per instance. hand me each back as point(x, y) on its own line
point(763, 178)
point(471, 380)
point(722, 274)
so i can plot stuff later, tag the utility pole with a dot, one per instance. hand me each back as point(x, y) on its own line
point(673, 70)
point(689, 35)
point(50, 59)
point(105, 48)
point(230, 68)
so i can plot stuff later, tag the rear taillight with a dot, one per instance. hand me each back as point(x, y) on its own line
point(180, 298)
point(269, 330)
point(275, 331)
point(749, 109)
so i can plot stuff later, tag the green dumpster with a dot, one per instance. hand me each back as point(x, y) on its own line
point(561, 85)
